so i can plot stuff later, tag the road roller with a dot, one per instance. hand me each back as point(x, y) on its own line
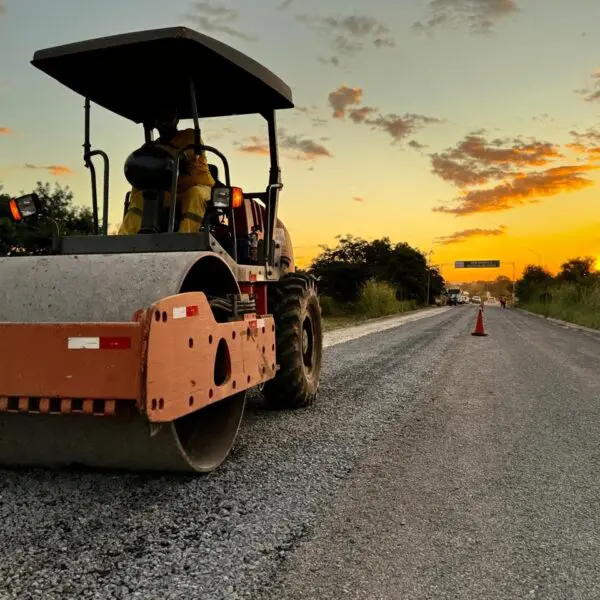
point(136, 352)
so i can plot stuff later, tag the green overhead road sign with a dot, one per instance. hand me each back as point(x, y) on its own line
point(477, 264)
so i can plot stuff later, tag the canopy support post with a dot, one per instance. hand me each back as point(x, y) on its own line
point(275, 185)
point(88, 154)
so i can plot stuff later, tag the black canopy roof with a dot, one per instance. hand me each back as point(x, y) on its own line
point(134, 74)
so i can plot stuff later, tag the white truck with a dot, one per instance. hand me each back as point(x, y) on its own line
point(455, 296)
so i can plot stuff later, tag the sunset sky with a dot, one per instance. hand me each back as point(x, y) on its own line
point(466, 127)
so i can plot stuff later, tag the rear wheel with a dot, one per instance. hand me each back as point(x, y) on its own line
point(294, 303)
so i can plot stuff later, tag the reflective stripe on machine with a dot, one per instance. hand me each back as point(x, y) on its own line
point(57, 406)
point(182, 312)
point(257, 324)
point(99, 343)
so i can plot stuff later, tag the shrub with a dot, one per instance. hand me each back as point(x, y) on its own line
point(378, 299)
point(572, 302)
point(328, 306)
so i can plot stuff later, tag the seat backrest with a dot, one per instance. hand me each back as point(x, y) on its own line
point(214, 171)
point(126, 204)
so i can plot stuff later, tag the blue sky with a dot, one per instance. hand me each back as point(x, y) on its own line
point(513, 68)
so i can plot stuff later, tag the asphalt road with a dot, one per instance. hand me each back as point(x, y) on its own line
point(435, 465)
point(488, 489)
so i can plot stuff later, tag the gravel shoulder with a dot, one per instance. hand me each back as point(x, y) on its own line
point(488, 488)
point(346, 334)
point(79, 535)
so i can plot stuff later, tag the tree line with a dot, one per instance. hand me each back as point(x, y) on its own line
point(537, 283)
point(573, 294)
point(344, 270)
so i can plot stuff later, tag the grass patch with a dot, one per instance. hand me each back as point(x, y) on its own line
point(377, 299)
point(577, 304)
point(331, 323)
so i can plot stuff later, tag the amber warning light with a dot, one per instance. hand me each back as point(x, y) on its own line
point(14, 210)
point(226, 197)
point(24, 207)
point(237, 197)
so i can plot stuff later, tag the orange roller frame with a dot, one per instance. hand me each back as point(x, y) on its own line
point(172, 360)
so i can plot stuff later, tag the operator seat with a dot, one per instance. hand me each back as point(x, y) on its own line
point(214, 171)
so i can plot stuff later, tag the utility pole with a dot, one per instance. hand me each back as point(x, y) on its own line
point(428, 282)
point(541, 261)
point(429, 271)
point(429, 276)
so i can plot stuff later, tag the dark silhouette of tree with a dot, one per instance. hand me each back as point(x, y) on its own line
point(35, 236)
point(576, 270)
point(534, 281)
point(407, 272)
point(344, 269)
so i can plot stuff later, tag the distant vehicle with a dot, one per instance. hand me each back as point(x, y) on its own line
point(455, 296)
point(441, 300)
point(476, 300)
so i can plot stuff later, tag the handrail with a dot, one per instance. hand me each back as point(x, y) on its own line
point(175, 176)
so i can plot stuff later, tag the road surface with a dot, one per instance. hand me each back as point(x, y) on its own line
point(435, 465)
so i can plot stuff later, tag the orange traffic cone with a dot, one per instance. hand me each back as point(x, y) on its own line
point(479, 330)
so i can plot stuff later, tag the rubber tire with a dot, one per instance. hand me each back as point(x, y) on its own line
point(291, 300)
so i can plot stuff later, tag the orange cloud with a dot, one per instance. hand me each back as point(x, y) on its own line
point(56, 170)
point(587, 143)
point(524, 188)
point(475, 161)
point(398, 127)
point(59, 170)
point(342, 98)
point(359, 115)
point(589, 136)
point(467, 234)
point(255, 146)
point(5, 130)
point(306, 148)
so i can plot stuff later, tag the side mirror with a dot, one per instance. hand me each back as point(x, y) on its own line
point(25, 207)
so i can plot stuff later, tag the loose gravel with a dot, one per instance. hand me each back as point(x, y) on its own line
point(80, 535)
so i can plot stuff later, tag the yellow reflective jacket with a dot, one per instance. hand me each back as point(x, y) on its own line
point(198, 165)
